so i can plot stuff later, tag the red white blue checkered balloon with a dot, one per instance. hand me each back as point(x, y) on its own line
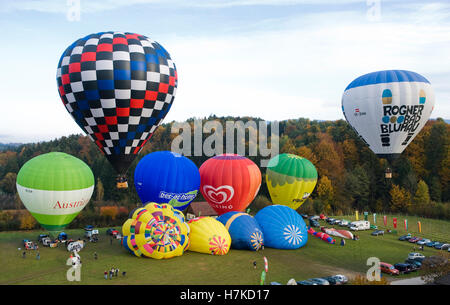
point(118, 87)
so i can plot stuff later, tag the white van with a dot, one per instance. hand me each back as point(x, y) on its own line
point(360, 225)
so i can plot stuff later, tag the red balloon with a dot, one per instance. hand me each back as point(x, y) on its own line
point(229, 182)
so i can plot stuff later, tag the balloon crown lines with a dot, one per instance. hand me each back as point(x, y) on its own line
point(208, 138)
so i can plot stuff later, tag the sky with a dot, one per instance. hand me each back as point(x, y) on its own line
point(272, 59)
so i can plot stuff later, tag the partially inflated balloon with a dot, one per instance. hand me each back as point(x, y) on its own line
point(290, 179)
point(208, 236)
point(283, 227)
point(55, 187)
point(387, 109)
point(229, 182)
point(167, 177)
point(156, 231)
point(244, 230)
point(118, 87)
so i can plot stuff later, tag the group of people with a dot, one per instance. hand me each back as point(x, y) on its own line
point(114, 272)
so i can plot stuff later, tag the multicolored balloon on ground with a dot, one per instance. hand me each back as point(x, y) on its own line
point(209, 236)
point(167, 177)
point(229, 182)
point(118, 87)
point(55, 187)
point(244, 230)
point(387, 109)
point(283, 227)
point(323, 236)
point(290, 179)
point(338, 233)
point(156, 231)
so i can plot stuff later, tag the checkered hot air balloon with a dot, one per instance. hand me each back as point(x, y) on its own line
point(118, 87)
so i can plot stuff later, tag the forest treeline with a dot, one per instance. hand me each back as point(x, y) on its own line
point(351, 176)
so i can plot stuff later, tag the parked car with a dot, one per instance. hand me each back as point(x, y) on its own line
point(377, 232)
point(415, 263)
point(431, 244)
point(405, 237)
point(342, 279)
point(337, 222)
point(329, 220)
point(438, 245)
point(319, 281)
point(403, 268)
point(388, 268)
point(374, 227)
point(423, 241)
point(412, 267)
point(306, 283)
point(445, 247)
point(413, 239)
point(275, 283)
point(315, 217)
point(416, 255)
point(344, 223)
point(314, 223)
point(331, 280)
point(304, 216)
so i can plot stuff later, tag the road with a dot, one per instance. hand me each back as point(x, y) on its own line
point(411, 281)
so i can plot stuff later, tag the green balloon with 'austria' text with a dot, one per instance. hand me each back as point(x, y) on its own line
point(55, 187)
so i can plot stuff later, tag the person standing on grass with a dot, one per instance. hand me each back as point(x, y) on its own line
point(106, 275)
point(38, 256)
point(24, 253)
point(95, 255)
point(254, 264)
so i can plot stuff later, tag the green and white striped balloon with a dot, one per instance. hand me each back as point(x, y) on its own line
point(55, 187)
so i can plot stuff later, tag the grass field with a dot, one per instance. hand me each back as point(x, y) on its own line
point(317, 258)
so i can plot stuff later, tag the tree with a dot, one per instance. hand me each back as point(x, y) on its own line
point(100, 190)
point(325, 191)
point(27, 221)
point(422, 195)
point(8, 183)
point(400, 198)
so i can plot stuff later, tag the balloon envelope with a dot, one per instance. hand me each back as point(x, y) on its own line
point(167, 177)
point(118, 87)
point(208, 236)
point(244, 230)
point(283, 227)
point(290, 179)
point(55, 187)
point(387, 109)
point(229, 182)
point(155, 231)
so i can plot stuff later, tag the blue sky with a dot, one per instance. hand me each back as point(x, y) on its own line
point(266, 58)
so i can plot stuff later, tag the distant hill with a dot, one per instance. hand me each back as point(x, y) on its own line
point(8, 146)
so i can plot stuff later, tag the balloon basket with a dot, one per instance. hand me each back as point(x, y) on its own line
point(121, 183)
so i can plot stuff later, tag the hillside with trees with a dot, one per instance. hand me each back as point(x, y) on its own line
point(351, 177)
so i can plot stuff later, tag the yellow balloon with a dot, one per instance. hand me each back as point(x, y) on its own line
point(209, 236)
point(156, 231)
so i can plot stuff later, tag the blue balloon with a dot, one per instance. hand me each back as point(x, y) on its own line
point(283, 227)
point(245, 232)
point(167, 177)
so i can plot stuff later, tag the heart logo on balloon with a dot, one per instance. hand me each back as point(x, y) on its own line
point(218, 195)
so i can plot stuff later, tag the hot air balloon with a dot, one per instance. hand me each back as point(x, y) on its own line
point(208, 236)
point(229, 182)
point(323, 236)
point(290, 179)
point(283, 227)
point(55, 187)
point(244, 230)
point(387, 109)
point(167, 177)
point(339, 233)
point(118, 87)
point(157, 231)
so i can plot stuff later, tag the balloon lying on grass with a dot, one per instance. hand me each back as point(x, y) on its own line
point(208, 236)
point(322, 236)
point(283, 227)
point(167, 177)
point(55, 187)
point(244, 230)
point(338, 233)
point(387, 109)
point(290, 179)
point(118, 87)
point(229, 182)
point(156, 231)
